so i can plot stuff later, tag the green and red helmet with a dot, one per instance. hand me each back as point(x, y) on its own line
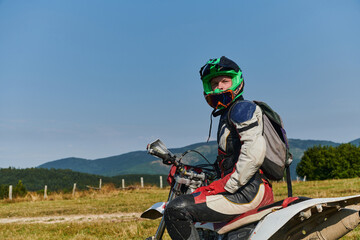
point(223, 66)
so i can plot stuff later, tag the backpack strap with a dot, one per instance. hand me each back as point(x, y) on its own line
point(288, 175)
point(288, 181)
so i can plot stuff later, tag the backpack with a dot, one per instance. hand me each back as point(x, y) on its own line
point(277, 155)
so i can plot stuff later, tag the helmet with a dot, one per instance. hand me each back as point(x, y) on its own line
point(219, 99)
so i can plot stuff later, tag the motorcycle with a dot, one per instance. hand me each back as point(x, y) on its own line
point(291, 218)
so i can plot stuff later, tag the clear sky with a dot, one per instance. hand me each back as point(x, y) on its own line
point(93, 79)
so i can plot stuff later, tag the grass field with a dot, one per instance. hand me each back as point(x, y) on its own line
point(114, 214)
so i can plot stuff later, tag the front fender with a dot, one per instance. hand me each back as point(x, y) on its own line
point(155, 211)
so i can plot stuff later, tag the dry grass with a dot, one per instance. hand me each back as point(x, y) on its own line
point(111, 200)
point(72, 230)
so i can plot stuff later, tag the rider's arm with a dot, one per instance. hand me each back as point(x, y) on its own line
point(247, 118)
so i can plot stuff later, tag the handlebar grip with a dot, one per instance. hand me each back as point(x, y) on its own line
point(168, 160)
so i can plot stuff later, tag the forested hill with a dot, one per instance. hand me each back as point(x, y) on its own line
point(356, 142)
point(140, 162)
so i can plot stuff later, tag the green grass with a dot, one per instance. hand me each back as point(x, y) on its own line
point(126, 201)
point(319, 189)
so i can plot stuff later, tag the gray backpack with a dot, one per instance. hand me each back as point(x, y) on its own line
point(277, 156)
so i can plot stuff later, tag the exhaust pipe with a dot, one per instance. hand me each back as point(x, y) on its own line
point(335, 226)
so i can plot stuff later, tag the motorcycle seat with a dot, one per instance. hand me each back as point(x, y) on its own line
point(255, 215)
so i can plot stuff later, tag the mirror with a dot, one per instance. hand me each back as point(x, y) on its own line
point(158, 148)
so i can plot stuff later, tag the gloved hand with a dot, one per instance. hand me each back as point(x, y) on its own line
point(215, 187)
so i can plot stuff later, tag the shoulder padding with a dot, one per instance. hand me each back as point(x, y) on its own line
point(242, 111)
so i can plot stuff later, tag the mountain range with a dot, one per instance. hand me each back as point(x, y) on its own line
point(139, 162)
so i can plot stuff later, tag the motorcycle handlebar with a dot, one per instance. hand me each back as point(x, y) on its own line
point(192, 174)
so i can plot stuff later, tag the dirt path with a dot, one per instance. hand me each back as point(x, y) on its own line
point(119, 217)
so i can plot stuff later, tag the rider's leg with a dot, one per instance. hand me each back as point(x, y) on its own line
point(184, 210)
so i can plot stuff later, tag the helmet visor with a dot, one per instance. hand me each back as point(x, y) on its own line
point(222, 99)
point(222, 64)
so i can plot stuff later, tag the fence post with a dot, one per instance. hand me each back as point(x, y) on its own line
point(142, 182)
point(100, 183)
point(123, 183)
point(305, 178)
point(74, 189)
point(10, 192)
point(161, 182)
point(45, 192)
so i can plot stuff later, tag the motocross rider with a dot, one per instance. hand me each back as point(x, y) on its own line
point(241, 150)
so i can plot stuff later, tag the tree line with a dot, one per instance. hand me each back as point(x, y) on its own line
point(327, 162)
point(34, 179)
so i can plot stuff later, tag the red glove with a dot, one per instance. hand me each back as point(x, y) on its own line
point(215, 187)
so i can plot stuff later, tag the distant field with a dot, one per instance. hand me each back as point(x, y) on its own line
point(114, 214)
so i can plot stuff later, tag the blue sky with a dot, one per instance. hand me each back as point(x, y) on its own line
point(93, 79)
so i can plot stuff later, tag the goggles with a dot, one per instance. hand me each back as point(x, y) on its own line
point(223, 99)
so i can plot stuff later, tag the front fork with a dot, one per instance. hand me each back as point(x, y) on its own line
point(161, 229)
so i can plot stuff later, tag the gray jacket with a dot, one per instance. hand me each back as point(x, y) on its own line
point(241, 143)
